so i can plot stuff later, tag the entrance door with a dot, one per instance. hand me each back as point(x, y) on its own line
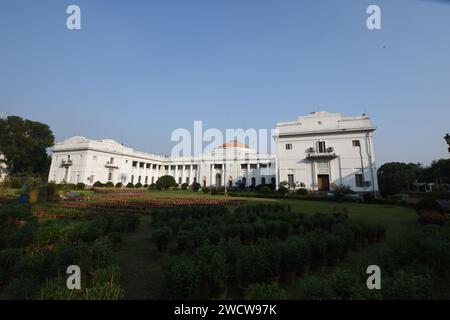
point(323, 181)
point(218, 180)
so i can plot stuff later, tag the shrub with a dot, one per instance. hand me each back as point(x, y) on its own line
point(165, 182)
point(183, 239)
point(181, 278)
point(205, 190)
point(212, 267)
point(105, 285)
point(119, 185)
point(49, 192)
point(432, 218)
point(184, 186)
point(302, 191)
point(340, 191)
point(408, 286)
point(260, 230)
point(368, 197)
point(346, 284)
point(272, 252)
point(138, 185)
point(283, 190)
point(427, 204)
point(251, 265)
point(98, 184)
point(115, 237)
point(68, 254)
point(109, 184)
point(80, 186)
point(263, 291)
point(195, 186)
point(246, 233)
point(318, 245)
point(162, 237)
point(288, 262)
point(315, 288)
point(101, 252)
point(265, 190)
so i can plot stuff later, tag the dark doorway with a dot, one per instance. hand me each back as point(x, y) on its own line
point(218, 180)
point(323, 182)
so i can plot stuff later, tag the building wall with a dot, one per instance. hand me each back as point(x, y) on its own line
point(3, 169)
point(91, 159)
point(341, 165)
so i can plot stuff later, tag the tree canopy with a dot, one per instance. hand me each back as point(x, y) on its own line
point(24, 143)
point(395, 177)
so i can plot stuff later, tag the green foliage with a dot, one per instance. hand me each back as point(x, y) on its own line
point(119, 185)
point(394, 177)
point(184, 186)
point(24, 144)
point(130, 185)
point(283, 190)
point(98, 184)
point(263, 291)
point(265, 190)
point(408, 286)
point(316, 288)
point(161, 237)
point(302, 191)
point(109, 184)
point(48, 192)
point(80, 186)
point(196, 186)
point(165, 182)
point(181, 275)
point(138, 185)
point(346, 284)
point(251, 265)
point(212, 267)
point(101, 252)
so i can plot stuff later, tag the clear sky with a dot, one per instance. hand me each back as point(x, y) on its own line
point(137, 70)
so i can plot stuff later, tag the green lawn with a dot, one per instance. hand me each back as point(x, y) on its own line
point(140, 263)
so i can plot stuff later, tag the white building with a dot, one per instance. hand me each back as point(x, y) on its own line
point(324, 149)
point(79, 159)
point(318, 150)
point(3, 168)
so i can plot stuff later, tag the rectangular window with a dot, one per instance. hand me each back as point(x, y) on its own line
point(288, 146)
point(110, 175)
point(262, 165)
point(134, 164)
point(244, 166)
point(323, 165)
point(359, 180)
point(132, 178)
point(253, 166)
point(187, 180)
point(139, 179)
point(291, 178)
point(180, 181)
point(147, 166)
point(217, 166)
point(146, 180)
point(321, 147)
point(356, 143)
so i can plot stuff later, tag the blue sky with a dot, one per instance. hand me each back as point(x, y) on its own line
point(140, 69)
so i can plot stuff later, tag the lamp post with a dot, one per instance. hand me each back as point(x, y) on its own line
point(447, 139)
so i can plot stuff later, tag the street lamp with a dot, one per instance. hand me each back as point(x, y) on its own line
point(447, 139)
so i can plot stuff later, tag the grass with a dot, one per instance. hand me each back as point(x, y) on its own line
point(141, 270)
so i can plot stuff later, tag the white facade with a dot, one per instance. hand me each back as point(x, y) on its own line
point(79, 159)
point(3, 168)
point(318, 150)
point(324, 149)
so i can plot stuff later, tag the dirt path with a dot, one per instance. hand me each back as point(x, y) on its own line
point(141, 274)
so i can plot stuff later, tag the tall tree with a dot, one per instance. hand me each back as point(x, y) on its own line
point(24, 143)
point(395, 177)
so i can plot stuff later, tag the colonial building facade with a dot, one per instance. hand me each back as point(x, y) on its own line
point(324, 149)
point(3, 168)
point(317, 151)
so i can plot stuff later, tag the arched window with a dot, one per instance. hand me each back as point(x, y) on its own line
point(263, 180)
point(253, 181)
point(244, 181)
point(273, 181)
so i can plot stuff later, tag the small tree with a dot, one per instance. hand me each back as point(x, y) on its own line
point(161, 237)
point(166, 182)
